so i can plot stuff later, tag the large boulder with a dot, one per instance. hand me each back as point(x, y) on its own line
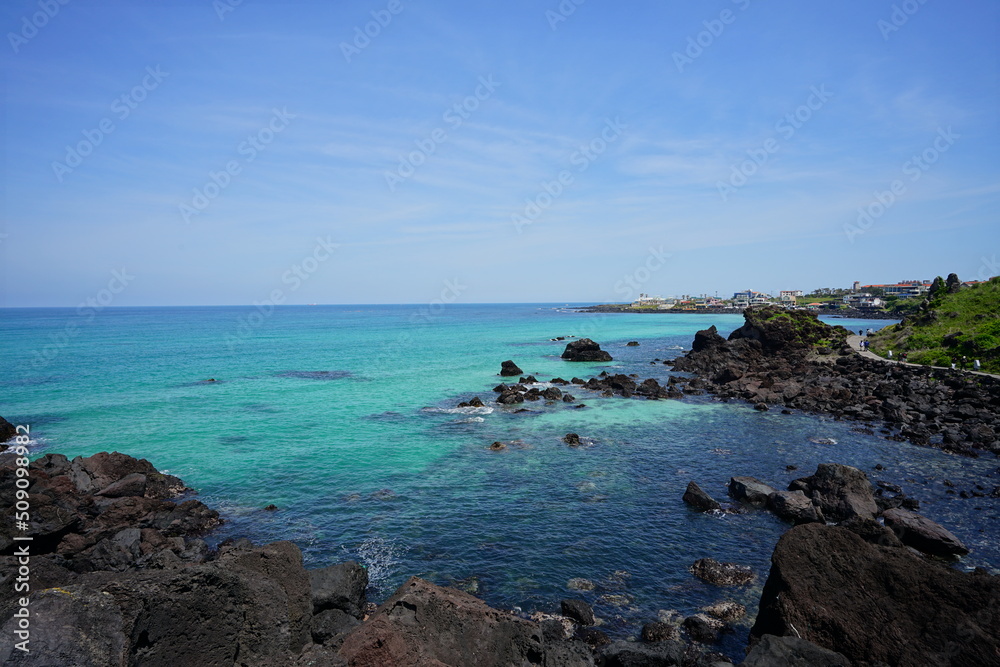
point(750, 490)
point(585, 350)
point(840, 491)
point(633, 654)
point(877, 604)
point(204, 614)
point(341, 586)
point(425, 624)
point(773, 651)
point(923, 534)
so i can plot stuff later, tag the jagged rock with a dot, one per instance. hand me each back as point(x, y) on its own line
point(840, 491)
point(568, 653)
point(509, 369)
point(695, 497)
point(578, 610)
point(585, 350)
point(130, 485)
point(773, 651)
point(829, 586)
point(592, 637)
point(429, 625)
point(722, 574)
point(341, 586)
point(632, 343)
point(923, 534)
point(498, 446)
point(872, 531)
point(572, 439)
point(707, 339)
point(794, 506)
point(750, 490)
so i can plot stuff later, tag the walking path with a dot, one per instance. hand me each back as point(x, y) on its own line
point(855, 343)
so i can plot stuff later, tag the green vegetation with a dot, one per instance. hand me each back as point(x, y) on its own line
point(954, 322)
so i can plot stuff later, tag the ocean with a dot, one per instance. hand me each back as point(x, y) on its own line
point(344, 417)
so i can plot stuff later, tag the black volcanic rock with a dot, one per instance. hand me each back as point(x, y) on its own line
point(509, 369)
point(7, 430)
point(695, 497)
point(877, 604)
point(706, 339)
point(585, 350)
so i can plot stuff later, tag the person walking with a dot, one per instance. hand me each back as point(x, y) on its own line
point(889, 355)
point(976, 365)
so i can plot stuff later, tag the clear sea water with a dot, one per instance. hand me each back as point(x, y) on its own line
point(343, 416)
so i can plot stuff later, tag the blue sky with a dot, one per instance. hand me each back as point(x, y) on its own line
point(493, 151)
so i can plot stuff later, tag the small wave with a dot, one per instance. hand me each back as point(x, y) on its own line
point(485, 410)
point(823, 441)
point(315, 375)
point(470, 420)
point(381, 557)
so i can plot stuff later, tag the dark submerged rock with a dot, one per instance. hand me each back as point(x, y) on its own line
point(722, 574)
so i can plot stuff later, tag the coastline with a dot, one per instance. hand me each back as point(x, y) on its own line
point(846, 313)
point(689, 638)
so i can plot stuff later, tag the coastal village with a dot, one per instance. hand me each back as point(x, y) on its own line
point(874, 298)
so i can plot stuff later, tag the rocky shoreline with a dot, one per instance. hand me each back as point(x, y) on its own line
point(790, 360)
point(852, 313)
point(120, 575)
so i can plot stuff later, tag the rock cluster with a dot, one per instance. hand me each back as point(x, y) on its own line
point(790, 359)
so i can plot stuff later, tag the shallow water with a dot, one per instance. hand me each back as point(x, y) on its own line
point(344, 417)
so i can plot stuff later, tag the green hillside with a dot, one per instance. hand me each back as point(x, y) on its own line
point(955, 321)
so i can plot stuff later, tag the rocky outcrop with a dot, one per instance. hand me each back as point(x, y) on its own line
point(509, 369)
point(794, 506)
point(839, 491)
point(791, 359)
point(877, 604)
point(585, 350)
point(107, 511)
point(923, 534)
point(424, 624)
point(695, 497)
point(750, 490)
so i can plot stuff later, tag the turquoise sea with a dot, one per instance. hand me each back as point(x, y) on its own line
point(345, 418)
